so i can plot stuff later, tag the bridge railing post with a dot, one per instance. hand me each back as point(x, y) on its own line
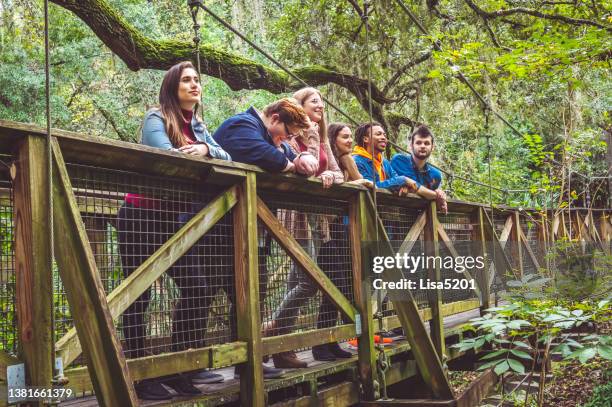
point(433, 273)
point(247, 292)
point(34, 279)
point(359, 227)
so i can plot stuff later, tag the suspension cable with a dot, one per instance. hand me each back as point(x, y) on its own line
point(365, 21)
point(199, 3)
point(50, 239)
point(193, 7)
point(487, 112)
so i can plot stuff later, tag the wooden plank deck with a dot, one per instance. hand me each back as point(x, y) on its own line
point(227, 391)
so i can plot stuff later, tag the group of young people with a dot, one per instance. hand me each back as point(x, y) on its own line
point(289, 135)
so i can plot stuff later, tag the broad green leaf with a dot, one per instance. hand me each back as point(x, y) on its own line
point(516, 366)
point(605, 351)
point(494, 354)
point(488, 365)
point(521, 354)
point(502, 367)
point(516, 324)
point(521, 345)
point(586, 354)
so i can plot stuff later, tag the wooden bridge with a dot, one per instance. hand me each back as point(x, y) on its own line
point(73, 311)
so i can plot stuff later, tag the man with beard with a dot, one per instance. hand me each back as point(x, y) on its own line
point(415, 166)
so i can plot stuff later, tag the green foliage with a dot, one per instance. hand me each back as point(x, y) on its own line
point(548, 77)
point(602, 395)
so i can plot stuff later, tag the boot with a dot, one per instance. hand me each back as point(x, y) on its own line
point(322, 353)
point(338, 352)
point(288, 360)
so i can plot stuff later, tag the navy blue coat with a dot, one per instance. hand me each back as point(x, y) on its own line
point(245, 137)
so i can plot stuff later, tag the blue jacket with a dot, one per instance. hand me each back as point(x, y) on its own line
point(154, 135)
point(393, 181)
point(246, 138)
point(429, 177)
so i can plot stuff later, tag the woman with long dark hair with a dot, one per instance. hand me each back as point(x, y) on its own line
point(146, 222)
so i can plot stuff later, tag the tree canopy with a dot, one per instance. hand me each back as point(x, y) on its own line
point(543, 63)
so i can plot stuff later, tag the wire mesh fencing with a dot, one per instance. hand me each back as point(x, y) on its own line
point(459, 229)
point(290, 300)
point(127, 217)
point(398, 221)
point(8, 321)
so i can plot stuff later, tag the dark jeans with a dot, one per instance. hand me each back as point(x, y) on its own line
point(338, 272)
point(141, 232)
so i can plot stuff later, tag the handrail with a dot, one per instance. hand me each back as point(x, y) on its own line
point(121, 155)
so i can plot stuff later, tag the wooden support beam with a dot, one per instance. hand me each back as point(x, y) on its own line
point(424, 351)
point(516, 248)
point(478, 235)
point(303, 260)
point(34, 276)
point(97, 335)
point(431, 235)
point(409, 241)
point(149, 367)
point(502, 264)
point(530, 252)
point(246, 263)
point(69, 348)
point(413, 234)
point(362, 292)
point(298, 340)
point(451, 248)
point(503, 240)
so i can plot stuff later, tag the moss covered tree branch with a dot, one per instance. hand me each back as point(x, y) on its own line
point(140, 52)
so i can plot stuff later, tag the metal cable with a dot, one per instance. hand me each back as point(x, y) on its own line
point(489, 147)
point(199, 3)
point(196, 43)
point(50, 239)
point(364, 19)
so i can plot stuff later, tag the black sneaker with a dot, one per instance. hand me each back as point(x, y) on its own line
point(182, 386)
point(151, 390)
point(337, 351)
point(399, 331)
point(322, 353)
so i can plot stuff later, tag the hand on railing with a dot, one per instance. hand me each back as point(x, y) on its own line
point(441, 200)
point(365, 182)
point(195, 149)
point(306, 164)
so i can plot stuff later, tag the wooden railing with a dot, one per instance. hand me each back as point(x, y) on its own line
point(90, 178)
